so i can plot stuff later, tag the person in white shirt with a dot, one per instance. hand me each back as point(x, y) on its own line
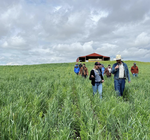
point(121, 73)
point(108, 71)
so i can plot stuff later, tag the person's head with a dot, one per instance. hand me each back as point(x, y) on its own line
point(99, 64)
point(96, 66)
point(134, 64)
point(83, 65)
point(109, 66)
point(76, 63)
point(118, 59)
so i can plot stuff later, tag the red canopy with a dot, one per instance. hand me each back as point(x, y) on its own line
point(92, 55)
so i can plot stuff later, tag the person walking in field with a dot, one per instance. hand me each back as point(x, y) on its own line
point(103, 69)
point(76, 68)
point(134, 70)
point(96, 79)
point(83, 71)
point(108, 71)
point(80, 65)
point(121, 72)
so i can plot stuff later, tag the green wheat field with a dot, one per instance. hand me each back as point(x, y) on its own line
point(50, 102)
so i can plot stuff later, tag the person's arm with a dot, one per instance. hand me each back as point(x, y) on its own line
point(101, 75)
point(128, 75)
point(92, 75)
point(114, 69)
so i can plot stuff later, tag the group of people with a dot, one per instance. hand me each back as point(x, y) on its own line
point(81, 70)
point(119, 70)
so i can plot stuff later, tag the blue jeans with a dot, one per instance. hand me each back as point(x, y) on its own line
point(98, 86)
point(119, 86)
point(135, 75)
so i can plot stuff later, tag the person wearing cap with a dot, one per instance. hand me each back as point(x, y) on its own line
point(121, 73)
point(96, 79)
point(83, 71)
point(108, 71)
point(134, 70)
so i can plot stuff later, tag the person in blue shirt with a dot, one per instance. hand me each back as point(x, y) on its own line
point(121, 73)
point(76, 68)
point(103, 69)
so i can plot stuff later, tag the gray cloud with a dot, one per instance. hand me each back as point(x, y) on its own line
point(45, 31)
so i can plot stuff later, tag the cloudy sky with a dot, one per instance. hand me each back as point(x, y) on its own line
point(52, 31)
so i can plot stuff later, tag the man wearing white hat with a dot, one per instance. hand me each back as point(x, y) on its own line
point(121, 72)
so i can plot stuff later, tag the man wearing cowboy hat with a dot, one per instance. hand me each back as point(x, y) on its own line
point(121, 72)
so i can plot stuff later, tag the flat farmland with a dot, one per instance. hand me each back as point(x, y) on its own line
point(50, 102)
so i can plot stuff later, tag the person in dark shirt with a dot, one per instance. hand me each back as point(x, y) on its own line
point(96, 79)
point(80, 65)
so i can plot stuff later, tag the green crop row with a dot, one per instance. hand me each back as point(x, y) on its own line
point(49, 101)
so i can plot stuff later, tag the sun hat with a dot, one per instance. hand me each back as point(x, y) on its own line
point(134, 63)
point(118, 57)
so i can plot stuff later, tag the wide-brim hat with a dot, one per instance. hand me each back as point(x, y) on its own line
point(118, 57)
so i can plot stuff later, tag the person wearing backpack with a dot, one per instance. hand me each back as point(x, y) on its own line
point(97, 79)
point(76, 68)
